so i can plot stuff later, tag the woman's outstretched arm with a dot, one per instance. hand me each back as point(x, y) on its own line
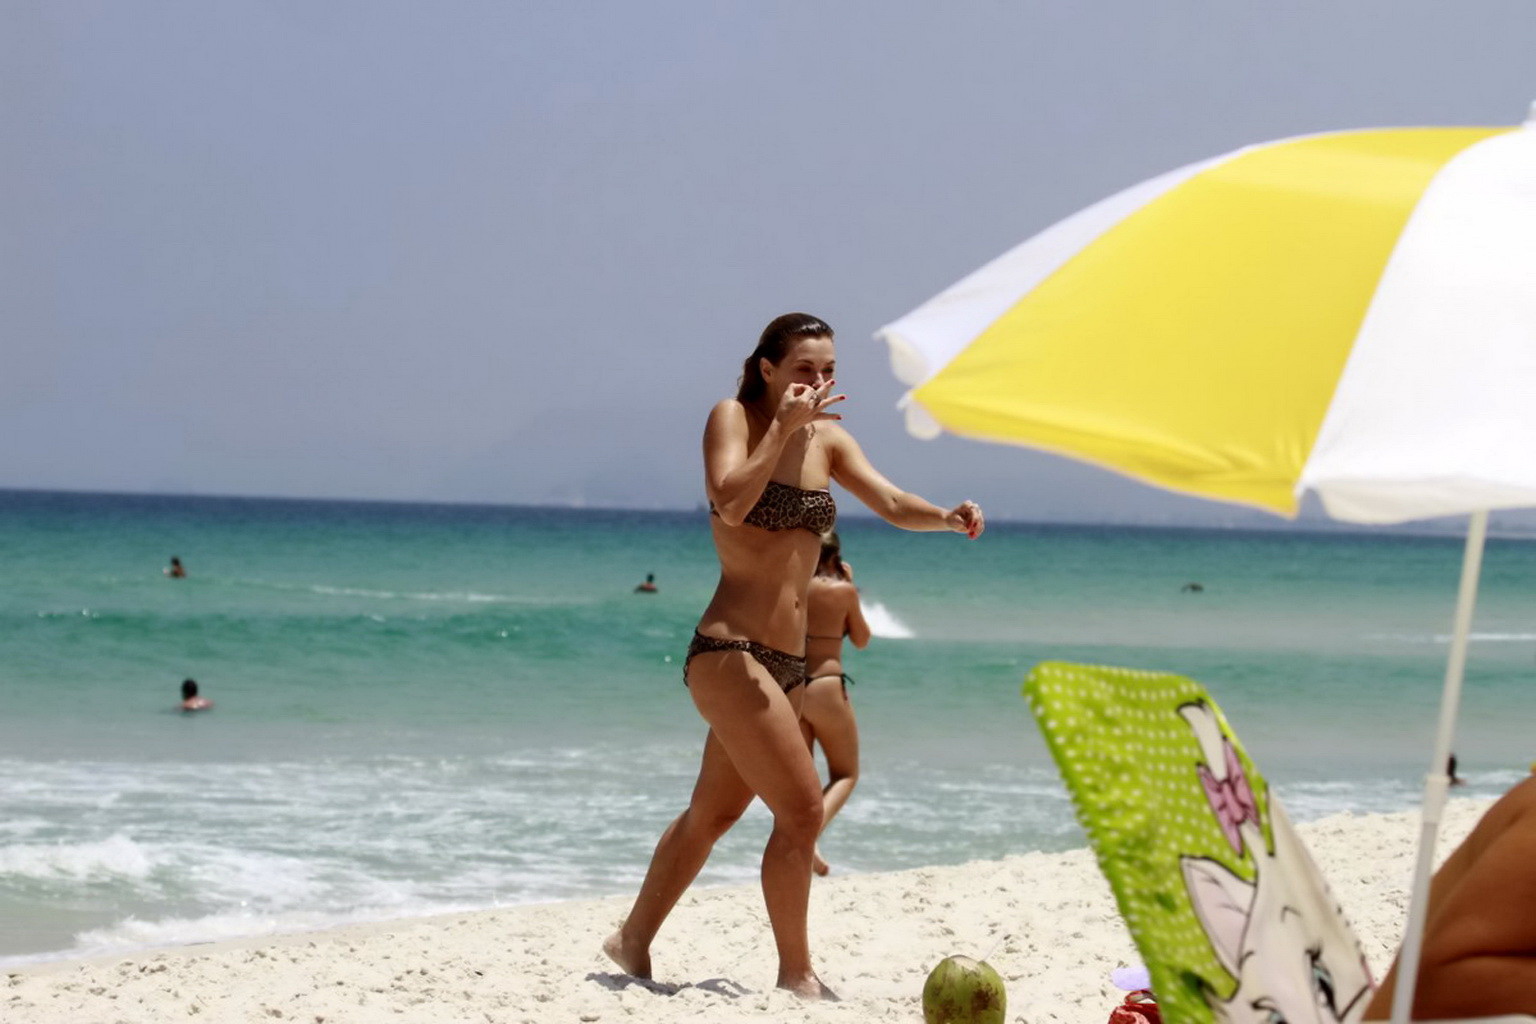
point(852, 469)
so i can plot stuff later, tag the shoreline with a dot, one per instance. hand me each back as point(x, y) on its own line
point(1047, 922)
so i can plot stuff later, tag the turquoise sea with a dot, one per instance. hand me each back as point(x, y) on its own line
point(425, 708)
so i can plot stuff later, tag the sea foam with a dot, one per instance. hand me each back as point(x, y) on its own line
point(883, 622)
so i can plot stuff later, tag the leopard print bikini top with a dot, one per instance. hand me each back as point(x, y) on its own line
point(786, 507)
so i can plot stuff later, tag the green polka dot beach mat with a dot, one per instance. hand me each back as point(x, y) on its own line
point(1231, 916)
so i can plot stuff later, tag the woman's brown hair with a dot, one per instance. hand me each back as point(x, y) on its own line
point(831, 559)
point(777, 338)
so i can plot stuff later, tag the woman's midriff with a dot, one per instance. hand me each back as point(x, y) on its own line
point(761, 593)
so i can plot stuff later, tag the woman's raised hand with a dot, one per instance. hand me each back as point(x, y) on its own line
point(806, 403)
point(966, 518)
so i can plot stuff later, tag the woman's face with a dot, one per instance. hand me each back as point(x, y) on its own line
point(808, 361)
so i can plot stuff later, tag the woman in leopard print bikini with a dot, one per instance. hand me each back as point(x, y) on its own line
point(769, 454)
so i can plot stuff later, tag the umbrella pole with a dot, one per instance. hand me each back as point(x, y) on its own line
point(1436, 782)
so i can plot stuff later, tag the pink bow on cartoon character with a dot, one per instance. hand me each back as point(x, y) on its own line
point(1231, 798)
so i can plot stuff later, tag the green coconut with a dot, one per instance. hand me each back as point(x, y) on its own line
point(964, 991)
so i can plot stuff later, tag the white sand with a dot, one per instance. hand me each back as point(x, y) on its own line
point(1046, 922)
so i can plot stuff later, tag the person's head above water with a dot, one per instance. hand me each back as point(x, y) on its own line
point(188, 689)
point(769, 370)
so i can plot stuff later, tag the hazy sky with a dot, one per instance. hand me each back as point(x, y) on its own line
point(512, 252)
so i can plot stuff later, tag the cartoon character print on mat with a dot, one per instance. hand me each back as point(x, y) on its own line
point(1282, 936)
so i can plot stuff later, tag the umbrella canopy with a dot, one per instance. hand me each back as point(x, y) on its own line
point(1351, 313)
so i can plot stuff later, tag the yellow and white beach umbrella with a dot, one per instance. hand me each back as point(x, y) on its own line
point(1352, 314)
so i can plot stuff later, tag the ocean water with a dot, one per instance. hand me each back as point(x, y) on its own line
point(424, 709)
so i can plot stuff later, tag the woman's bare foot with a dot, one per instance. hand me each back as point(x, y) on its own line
point(809, 987)
point(634, 962)
point(819, 863)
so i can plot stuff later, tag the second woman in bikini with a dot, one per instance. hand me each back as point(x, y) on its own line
point(769, 454)
point(833, 612)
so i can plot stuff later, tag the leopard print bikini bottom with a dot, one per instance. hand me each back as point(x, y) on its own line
point(787, 670)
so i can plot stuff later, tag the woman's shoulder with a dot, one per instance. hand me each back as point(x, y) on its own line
point(727, 415)
point(833, 585)
point(838, 443)
point(833, 432)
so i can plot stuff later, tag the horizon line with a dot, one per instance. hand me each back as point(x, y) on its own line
point(1445, 527)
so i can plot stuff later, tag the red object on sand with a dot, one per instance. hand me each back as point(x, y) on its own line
point(1139, 1008)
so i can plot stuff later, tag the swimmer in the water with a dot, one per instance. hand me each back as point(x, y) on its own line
point(190, 701)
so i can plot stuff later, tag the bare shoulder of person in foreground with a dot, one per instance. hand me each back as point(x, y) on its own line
point(1479, 955)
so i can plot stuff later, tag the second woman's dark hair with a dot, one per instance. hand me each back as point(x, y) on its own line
point(772, 346)
point(831, 555)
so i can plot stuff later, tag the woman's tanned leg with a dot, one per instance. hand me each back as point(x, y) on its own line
point(831, 721)
point(719, 798)
point(760, 730)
